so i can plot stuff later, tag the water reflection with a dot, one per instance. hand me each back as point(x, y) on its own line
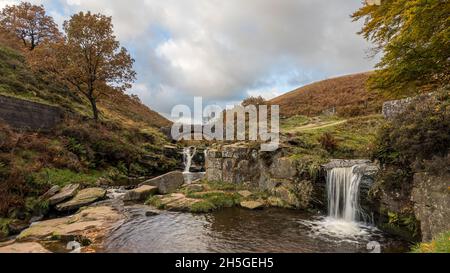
point(232, 230)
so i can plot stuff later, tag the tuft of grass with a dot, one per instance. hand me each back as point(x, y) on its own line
point(223, 186)
point(355, 138)
point(203, 207)
point(440, 245)
point(63, 177)
point(4, 227)
point(214, 201)
point(294, 122)
point(155, 201)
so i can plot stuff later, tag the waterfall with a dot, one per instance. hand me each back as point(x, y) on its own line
point(343, 194)
point(188, 155)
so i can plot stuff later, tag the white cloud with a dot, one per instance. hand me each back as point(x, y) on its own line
point(226, 50)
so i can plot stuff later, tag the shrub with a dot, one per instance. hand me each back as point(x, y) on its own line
point(62, 177)
point(440, 245)
point(328, 142)
point(203, 207)
point(421, 132)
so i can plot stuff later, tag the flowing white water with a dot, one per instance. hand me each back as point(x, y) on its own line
point(345, 216)
point(343, 194)
point(188, 155)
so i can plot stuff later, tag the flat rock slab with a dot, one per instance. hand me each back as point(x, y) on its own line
point(65, 193)
point(252, 205)
point(245, 194)
point(141, 193)
point(30, 247)
point(167, 183)
point(92, 219)
point(177, 202)
point(51, 192)
point(83, 198)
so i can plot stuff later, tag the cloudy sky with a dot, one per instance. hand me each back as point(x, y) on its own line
point(227, 50)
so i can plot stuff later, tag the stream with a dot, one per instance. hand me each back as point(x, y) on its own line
point(239, 230)
point(344, 230)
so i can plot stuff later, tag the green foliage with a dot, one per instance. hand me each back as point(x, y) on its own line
point(63, 177)
point(4, 227)
point(294, 122)
point(214, 201)
point(404, 224)
point(222, 186)
point(413, 36)
point(354, 137)
point(35, 206)
point(155, 201)
point(440, 245)
point(203, 207)
point(421, 132)
point(328, 142)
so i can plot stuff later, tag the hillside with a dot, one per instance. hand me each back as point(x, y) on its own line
point(125, 147)
point(347, 94)
point(17, 80)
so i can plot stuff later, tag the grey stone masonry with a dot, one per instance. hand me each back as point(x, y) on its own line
point(27, 115)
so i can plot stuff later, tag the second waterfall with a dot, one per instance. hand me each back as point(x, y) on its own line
point(343, 186)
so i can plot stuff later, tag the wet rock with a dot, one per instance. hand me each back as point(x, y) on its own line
point(51, 192)
point(30, 247)
point(287, 196)
point(89, 223)
point(65, 193)
point(151, 213)
point(83, 198)
point(252, 205)
point(167, 183)
point(141, 193)
point(343, 163)
point(116, 193)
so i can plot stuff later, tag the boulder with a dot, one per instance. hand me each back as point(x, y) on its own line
point(283, 168)
point(83, 198)
point(51, 192)
point(431, 197)
point(141, 193)
point(245, 194)
point(65, 193)
point(175, 202)
point(252, 205)
point(167, 183)
point(93, 221)
point(30, 247)
point(178, 202)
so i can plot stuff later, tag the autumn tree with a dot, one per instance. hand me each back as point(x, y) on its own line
point(256, 101)
point(414, 38)
point(89, 59)
point(29, 23)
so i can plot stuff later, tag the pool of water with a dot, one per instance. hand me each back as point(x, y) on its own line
point(244, 231)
